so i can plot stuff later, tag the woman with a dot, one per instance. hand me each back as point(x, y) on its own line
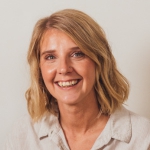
point(76, 93)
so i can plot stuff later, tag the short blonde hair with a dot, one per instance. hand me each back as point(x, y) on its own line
point(111, 86)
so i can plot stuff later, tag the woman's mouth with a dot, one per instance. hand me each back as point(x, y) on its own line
point(67, 83)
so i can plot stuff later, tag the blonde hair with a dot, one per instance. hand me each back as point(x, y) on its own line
point(111, 86)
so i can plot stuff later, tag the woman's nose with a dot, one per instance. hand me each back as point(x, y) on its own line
point(64, 66)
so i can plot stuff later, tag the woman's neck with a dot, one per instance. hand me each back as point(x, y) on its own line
point(79, 118)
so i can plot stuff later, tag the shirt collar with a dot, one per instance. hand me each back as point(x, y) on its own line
point(121, 125)
point(51, 129)
point(47, 126)
point(118, 127)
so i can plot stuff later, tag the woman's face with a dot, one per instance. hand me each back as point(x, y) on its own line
point(68, 74)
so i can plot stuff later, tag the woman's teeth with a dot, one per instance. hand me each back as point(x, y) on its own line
point(68, 83)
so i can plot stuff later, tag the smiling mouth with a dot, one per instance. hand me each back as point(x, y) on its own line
point(68, 83)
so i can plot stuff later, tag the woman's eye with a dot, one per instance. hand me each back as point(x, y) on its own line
point(78, 54)
point(49, 57)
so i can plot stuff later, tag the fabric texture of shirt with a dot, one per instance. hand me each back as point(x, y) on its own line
point(124, 130)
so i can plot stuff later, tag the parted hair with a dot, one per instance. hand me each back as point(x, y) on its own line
point(111, 87)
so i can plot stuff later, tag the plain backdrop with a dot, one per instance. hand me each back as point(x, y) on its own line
point(127, 27)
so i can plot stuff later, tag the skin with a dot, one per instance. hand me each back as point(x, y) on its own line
point(61, 60)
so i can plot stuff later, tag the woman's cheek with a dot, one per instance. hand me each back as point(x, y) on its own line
point(48, 72)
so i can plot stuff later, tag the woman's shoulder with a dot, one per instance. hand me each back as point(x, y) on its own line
point(131, 128)
point(26, 132)
point(130, 124)
point(138, 118)
point(135, 119)
point(20, 126)
point(18, 133)
point(140, 124)
point(26, 123)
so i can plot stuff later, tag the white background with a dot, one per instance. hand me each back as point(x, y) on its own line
point(127, 26)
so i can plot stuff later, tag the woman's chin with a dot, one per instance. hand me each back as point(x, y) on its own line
point(68, 101)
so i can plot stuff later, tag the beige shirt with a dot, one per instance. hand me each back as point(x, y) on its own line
point(123, 131)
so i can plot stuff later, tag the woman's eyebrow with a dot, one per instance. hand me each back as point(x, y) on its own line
point(53, 50)
point(47, 51)
point(75, 48)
